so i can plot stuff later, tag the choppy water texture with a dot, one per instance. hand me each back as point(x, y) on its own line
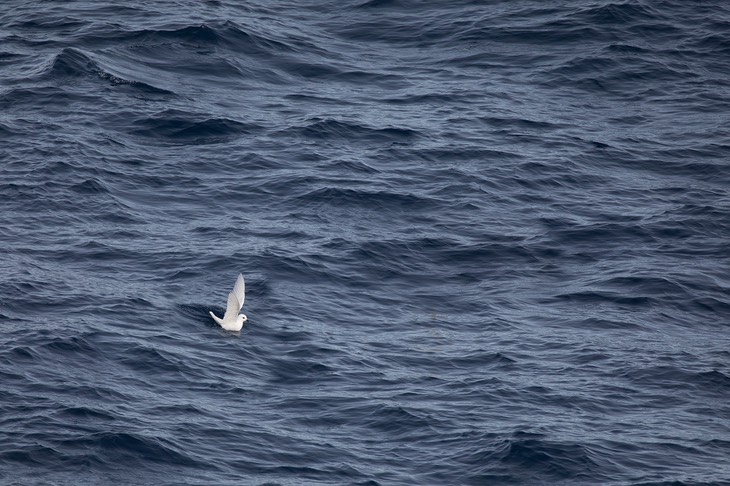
point(484, 242)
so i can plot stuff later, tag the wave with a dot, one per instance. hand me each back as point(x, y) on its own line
point(330, 129)
point(76, 63)
point(182, 127)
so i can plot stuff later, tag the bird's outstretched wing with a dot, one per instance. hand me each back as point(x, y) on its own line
point(239, 290)
point(235, 300)
point(232, 308)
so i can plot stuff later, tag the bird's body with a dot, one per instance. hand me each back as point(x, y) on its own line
point(232, 320)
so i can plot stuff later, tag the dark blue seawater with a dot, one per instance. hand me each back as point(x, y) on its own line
point(484, 242)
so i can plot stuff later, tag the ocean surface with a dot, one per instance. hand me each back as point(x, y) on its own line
point(484, 243)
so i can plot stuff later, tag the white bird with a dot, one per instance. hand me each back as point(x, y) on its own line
point(232, 320)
